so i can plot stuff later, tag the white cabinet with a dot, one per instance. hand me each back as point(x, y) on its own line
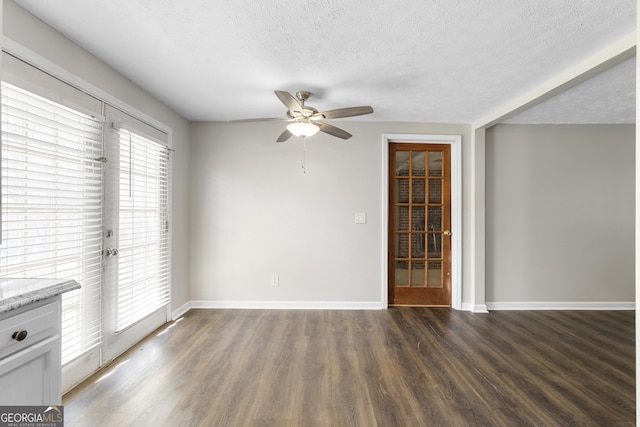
point(30, 366)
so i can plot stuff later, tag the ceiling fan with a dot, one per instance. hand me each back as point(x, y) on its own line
point(306, 120)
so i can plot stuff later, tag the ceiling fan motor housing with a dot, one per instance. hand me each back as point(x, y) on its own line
point(303, 95)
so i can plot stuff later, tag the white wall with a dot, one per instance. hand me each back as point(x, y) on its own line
point(560, 214)
point(60, 56)
point(252, 212)
point(255, 213)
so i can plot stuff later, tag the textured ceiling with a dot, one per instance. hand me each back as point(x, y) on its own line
point(449, 61)
point(608, 97)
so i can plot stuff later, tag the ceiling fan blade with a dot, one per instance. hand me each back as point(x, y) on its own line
point(288, 100)
point(285, 135)
point(346, 112)
point(259, 120)
point(334, 131)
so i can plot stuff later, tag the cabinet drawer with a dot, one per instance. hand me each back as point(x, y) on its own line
point(39, 323)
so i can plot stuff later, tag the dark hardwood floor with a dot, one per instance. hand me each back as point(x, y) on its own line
point(397, 367)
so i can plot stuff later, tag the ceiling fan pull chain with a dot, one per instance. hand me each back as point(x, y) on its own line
point(304, 154)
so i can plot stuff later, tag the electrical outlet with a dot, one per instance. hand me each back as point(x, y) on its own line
point(275, 280)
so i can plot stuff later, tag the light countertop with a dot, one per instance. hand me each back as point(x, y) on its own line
point(15, 293)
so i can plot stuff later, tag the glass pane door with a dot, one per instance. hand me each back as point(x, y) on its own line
point(137, 264)
point(419, 220)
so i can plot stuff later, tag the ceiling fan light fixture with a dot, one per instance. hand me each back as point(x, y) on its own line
point(303, 128)
point(307, 121)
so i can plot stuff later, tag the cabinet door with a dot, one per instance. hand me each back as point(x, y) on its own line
point(32, 376)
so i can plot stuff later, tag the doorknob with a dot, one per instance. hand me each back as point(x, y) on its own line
point(110, 252)
point(447, 233)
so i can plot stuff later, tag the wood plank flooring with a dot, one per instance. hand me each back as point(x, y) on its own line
point(398, 367)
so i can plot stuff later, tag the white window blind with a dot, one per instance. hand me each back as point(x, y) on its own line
point(52, 206)
point(143, 259)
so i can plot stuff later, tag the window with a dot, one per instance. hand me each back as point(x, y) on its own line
point(52, 206)
point(143, 259)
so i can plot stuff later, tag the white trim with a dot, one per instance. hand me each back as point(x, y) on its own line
point(140, 132)
point(466, 306)
point(180, 311)
point(456, 208)
point(474, 308)
point(79, 369)
point(477, 223)
point(544, 305)
point(622, 49)
point(25, 75)
point(288, 305)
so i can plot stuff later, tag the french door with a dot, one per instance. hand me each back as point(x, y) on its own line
point(85, 196)
point(136, 237)
point(135, 286)
point(419, 224)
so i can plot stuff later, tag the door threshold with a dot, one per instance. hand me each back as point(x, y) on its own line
point(419, 305)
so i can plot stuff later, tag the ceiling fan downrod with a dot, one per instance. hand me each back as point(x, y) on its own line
point(303, 95)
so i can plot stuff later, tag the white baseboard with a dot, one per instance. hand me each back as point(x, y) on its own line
point(536, 305)
point(289, 305)
point(479, 308)
point(181, 310)
point(375, 305)
point(474, 308)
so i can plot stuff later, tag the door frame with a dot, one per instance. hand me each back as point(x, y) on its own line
point(455, 141)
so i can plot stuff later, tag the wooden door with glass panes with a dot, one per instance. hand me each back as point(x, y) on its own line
point(419, 224)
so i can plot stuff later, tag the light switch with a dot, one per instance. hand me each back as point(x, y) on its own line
point(361, 217)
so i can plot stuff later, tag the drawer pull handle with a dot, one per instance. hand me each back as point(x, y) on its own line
point(19, 335)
